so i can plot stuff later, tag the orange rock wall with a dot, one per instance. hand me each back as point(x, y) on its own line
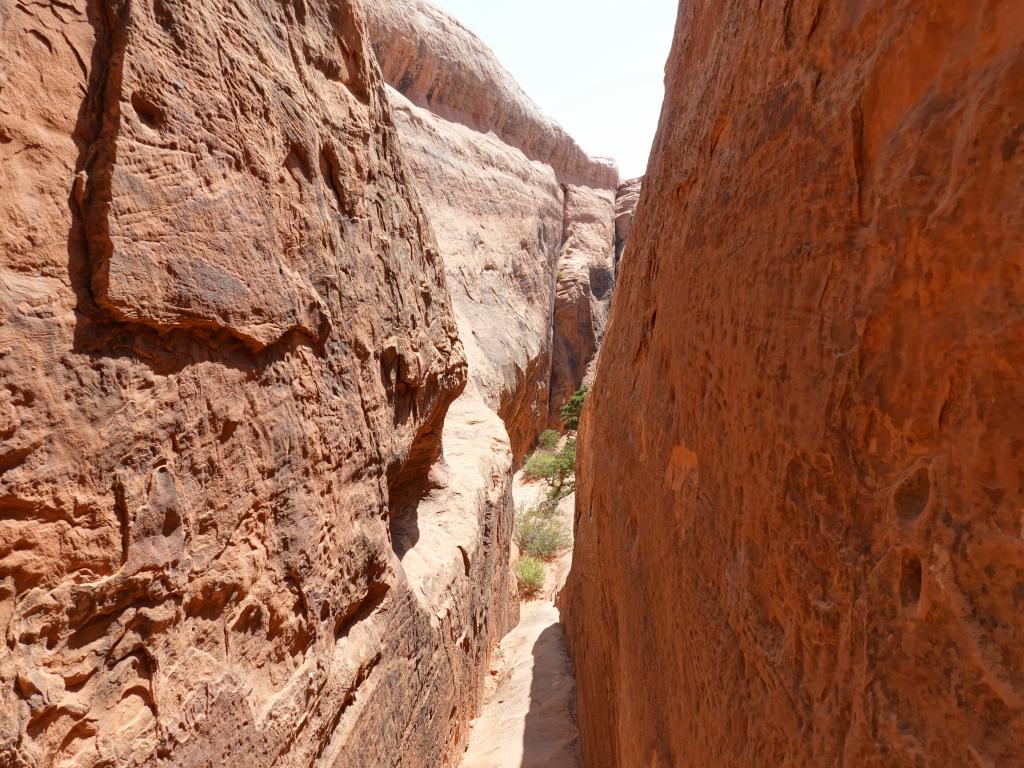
point(227, 349)
point(799, 532)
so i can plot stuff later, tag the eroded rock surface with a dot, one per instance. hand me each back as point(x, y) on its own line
point(498, 219)
point(525, 247)
point(810, 553)
point(440, 65)
point(583, 292)
point(627, 197)
point(226, 354)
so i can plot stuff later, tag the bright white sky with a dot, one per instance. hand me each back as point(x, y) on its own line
point(595, 66)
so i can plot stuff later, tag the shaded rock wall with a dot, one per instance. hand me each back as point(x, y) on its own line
point(811, 554)
point(226, 353)
point(583, 291)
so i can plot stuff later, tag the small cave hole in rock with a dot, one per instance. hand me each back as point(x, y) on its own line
point(330, 169)
point(602, 280)
point(163, 15)
point(911, 498)
point(910, 580)
point(297, 163)
point(149, 112)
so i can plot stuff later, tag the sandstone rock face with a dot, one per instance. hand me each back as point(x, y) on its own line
point(524, 247)
point(498, 220)
point(583, 293)
point(227, 351)
point(627, 197)
point(811, 555)
point(440, 65)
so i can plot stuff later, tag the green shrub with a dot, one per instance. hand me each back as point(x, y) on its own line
point(530, 575)
point(558, 469)
point(548, 440)
point(539, 534)
point(540, 465)
point(570, 412)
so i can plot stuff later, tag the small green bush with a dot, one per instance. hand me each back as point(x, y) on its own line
point(558, 469)
point(548, 440)
point(530, 575)
point(570, 412)
point(540, 465)
point(539, 534)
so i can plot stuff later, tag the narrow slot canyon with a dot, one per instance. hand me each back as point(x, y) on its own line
point(353, 414)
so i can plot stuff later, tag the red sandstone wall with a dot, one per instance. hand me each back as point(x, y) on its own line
point(799, 522)
point(226, 349)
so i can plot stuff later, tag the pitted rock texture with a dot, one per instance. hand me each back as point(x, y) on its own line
point(811, 553)
point(440, 65)
point(583, 294)
point(226, 354)
point(627, 197)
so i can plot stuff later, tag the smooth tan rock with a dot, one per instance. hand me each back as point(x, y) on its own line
point(529, 720)
point(524, 250)
point(498, 219)
point(227, 351)
point(437, 63)
point(800, 486)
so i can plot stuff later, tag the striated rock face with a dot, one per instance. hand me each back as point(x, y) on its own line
point(440, 65)
point(811, 555)
point(627, 197)
point(498, 219)
point(583, 294)
point(226, 353)
point(523, 249)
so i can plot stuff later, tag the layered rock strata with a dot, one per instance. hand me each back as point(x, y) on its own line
point(524, 219)
point(811, 553)
point(227, 351)
point(440, 65)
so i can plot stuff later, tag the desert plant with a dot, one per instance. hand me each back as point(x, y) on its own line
point(530, 575)
point(539, 534)
point(556, 468)
point(570, 412)
point(548, 440)
point(563, 476)
point(540, 466)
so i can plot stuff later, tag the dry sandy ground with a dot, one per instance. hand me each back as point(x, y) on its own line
point(529, 718)
point(530, 721)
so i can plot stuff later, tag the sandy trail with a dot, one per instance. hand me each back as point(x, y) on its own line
point(529, 718)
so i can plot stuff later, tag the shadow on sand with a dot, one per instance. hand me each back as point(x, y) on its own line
point(550, 738)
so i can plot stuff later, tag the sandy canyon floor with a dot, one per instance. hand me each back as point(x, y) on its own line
point(529, 716)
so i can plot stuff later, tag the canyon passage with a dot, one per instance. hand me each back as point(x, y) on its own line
point(352, 414)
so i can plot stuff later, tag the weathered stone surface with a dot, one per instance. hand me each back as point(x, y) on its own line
point(498, 220)
point(491, 170)
point(226, 355)
point(440, 65)
point(627, 197)
point(583, 294)
point(800, 486)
